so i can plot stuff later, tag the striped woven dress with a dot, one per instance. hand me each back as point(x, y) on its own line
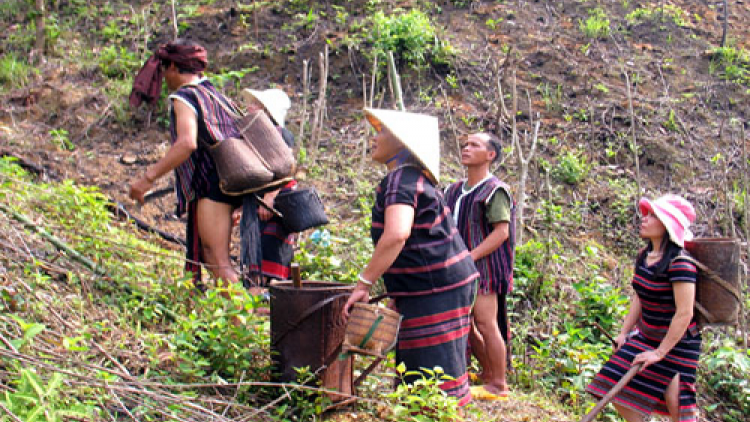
point(645, 392)
point(433, 280)
point(197, 177)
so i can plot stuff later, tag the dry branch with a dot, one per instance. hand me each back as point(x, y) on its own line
point(632, 134)
point(396, 81)
point(305, 96)
point(523, 161)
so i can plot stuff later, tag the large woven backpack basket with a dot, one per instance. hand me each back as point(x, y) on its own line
point(718, 293)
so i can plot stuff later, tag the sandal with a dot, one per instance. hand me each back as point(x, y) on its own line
point(474, 378)
point(480, 393)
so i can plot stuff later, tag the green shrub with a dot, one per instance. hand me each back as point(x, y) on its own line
point(409, 35)
point(61, 140)
point(724, 373)
point(300, 403)
point(596, 25)
point(422, 399)
point(674, 13)
point(220, 336)
point(731, 64)
point(15, 72)
point(117, 62)
point(35, 400)
point(10, 9)
point(572, 168)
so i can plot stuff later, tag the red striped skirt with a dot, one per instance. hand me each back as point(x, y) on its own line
point(434, 333)
point(645, 392)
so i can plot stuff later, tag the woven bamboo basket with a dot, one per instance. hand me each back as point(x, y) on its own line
point(718, 292)
point(371, 330)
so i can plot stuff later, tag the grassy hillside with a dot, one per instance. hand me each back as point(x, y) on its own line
point(618, 98)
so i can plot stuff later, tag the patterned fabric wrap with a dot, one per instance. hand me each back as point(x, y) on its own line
point(495, 269)
point(434, 332)
point(193, 175)
point(434, 258)
point(645, 392)
point(432, 279)
point(276, 246)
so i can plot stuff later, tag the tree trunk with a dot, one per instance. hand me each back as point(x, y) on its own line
point(41, 38)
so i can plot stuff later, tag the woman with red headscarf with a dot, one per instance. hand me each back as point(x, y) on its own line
point(181, 63)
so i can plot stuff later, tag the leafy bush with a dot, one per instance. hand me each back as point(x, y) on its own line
point(674, 13)
point(423, 400)
point(596, 25)
point(220, 336)
point(340, 251)
point(724, 373)
point(15, 72)
point(34, 400)
point(731, 64)
point(572, 168)
point(409, 35)
point(61, 139)
point(117, 62)
point(299, 403)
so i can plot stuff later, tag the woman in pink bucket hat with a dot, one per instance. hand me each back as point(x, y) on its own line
point(660, 331)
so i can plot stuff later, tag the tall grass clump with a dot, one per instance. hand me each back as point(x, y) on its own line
point(596, 25)
point(15, 72)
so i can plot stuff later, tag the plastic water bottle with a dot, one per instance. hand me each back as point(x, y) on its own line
point(321, 237)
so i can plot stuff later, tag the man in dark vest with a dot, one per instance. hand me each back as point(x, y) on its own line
point(483, 209)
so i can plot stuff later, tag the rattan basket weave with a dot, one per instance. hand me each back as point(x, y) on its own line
point(371, 329)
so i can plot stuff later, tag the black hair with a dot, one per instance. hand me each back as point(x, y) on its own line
point(670, 251)
point(493, 143)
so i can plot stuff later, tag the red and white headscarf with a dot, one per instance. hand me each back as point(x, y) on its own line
point(147, 83)
point(675, 212)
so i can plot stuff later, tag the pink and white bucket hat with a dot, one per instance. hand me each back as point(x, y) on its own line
point(675, 212)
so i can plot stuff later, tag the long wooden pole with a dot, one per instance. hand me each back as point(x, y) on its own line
point(612, 393)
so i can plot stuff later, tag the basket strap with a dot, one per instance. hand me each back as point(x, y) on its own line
point(236, 114)
point(703, 311)
point(311, 310)
point(714, 276)
point(230, 108)
point(371, 331)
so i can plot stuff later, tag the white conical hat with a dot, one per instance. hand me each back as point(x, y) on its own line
point(418, 132)
point(274, 101)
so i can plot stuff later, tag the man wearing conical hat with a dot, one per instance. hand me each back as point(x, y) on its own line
point(419, 254)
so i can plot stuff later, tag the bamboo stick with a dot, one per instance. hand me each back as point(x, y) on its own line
point(54, 240)
point(612, 393)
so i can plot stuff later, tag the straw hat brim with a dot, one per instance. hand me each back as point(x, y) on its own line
point(419, 133)
point(274, 101)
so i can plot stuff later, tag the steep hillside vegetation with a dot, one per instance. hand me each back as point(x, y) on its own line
point(609, 101)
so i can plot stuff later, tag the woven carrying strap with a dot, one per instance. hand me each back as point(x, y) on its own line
point(711, 274)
